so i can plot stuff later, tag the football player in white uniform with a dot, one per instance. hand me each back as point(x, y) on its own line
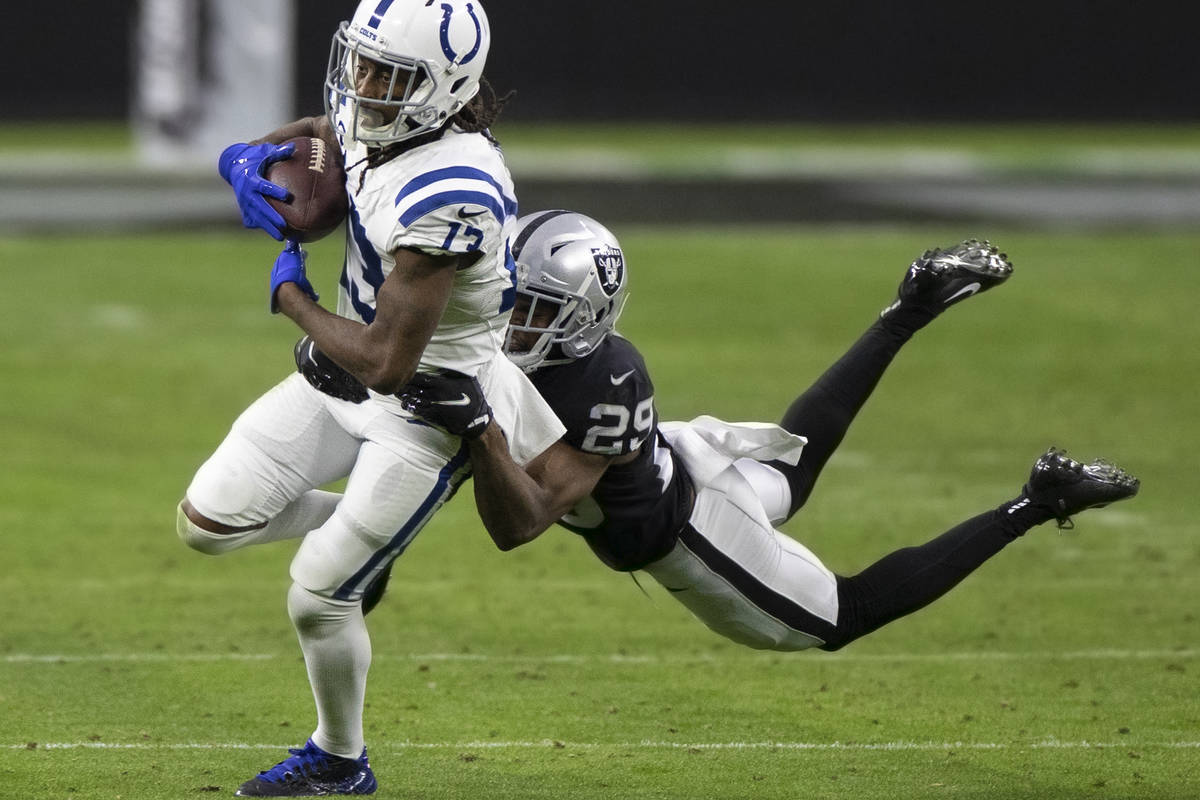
point(428, 284)
point(695, 504)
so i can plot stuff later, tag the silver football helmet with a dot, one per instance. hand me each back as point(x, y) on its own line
point(434, 52)
point(571, 272)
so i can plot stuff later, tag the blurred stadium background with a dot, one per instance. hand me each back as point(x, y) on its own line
point(1060, 113)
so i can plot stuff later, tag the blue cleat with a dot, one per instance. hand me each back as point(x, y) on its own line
point(311, 772)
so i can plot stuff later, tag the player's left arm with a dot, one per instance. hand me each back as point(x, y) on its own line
point(384, 354)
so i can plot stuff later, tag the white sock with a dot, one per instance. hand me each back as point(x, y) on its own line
point(337, 652)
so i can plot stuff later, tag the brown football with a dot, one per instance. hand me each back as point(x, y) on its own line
point(316, 185)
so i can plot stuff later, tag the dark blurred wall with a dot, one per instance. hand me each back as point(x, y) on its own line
point(719, 61)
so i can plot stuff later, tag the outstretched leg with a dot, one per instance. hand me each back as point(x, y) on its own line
point(759, 587)
point(823, 413)
point(913, 577)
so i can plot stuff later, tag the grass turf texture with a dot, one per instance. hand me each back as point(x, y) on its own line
point(1066, 668)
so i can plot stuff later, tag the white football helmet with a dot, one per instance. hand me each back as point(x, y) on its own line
point(435, 50)
point(575, 265)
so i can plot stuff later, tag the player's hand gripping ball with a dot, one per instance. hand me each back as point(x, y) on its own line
point(243, 166)
point(316, 185)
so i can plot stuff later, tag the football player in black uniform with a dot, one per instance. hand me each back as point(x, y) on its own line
point(695, 504)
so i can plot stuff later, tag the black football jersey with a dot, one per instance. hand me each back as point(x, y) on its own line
point(606, 402)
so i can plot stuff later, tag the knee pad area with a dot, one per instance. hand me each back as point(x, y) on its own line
point(331, 559)
point(207, 542)
point(312, 612)
point(225, 490)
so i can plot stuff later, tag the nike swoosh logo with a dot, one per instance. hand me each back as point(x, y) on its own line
point(968, 290)
point(461, 401)
point(675, 591)
point(617, 380)
point(462, 213)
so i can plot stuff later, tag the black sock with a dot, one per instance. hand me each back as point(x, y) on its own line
point(909, 318)
point(823, 413)
point(913, 577)
point(1020, 515)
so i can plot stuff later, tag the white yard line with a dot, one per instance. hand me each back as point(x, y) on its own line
point(815, 657)
point(62, 658)
point(618, 658)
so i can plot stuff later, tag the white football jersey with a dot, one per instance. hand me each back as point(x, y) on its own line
point(453, 195)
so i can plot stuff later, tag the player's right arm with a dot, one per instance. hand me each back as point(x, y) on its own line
point(319, 127)
point(384, 354)
point(517, 504)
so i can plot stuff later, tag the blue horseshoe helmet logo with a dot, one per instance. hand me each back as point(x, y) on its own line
point(447, 11)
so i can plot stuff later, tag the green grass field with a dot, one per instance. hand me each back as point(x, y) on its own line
point(131, 667)
point(1049, 150)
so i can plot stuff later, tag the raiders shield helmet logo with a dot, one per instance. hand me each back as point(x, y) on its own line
point(610, 265)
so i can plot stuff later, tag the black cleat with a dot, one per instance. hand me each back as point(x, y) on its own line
point(374, 591)
point(942, 277)
point(1066, 487)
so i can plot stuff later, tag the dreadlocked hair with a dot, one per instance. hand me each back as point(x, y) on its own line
point(482, 111)
point(477, 116)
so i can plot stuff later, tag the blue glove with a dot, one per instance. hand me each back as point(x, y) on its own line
point(243, 167)
point(289, 268)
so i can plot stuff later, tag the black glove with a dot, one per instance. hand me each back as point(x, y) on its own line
point(448, 400)
point(323, 373)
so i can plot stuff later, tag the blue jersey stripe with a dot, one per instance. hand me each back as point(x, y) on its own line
point(450, 198)
point(372, 267)
point(456, 173)
point(448, 481)
point(508, 299)
point(366, 311)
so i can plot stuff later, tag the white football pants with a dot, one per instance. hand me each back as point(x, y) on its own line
point(736, 573)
